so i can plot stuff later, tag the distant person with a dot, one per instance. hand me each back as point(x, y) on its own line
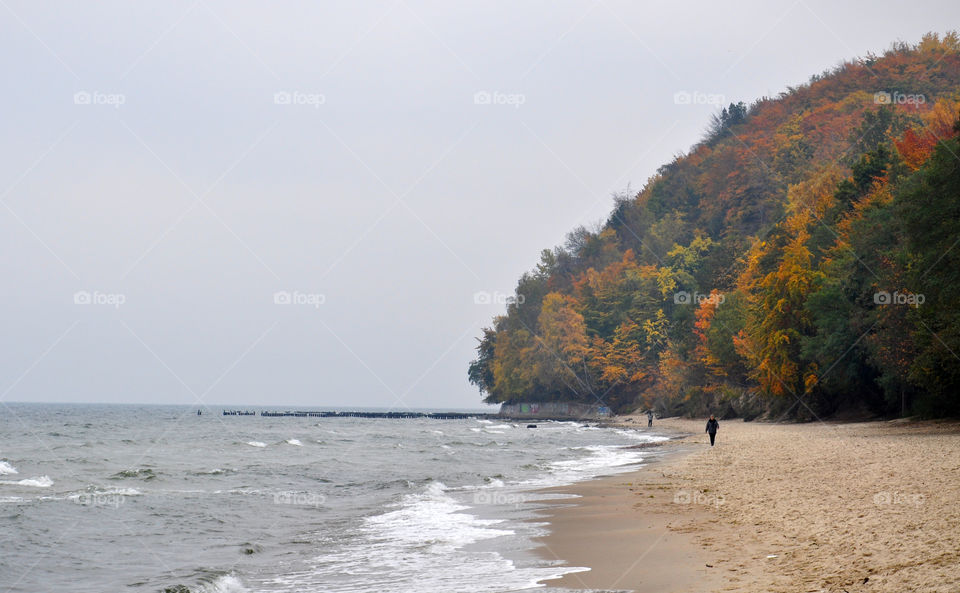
point(649, 418)
point(712, 426)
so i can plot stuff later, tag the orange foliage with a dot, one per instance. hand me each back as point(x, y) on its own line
point(917, 144)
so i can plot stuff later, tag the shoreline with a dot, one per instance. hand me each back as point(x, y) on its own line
point(624, 528)
point(864, 507)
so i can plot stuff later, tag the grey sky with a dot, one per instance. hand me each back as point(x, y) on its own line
point(227, 151)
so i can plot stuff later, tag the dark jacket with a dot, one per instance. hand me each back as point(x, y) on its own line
point(712, 425)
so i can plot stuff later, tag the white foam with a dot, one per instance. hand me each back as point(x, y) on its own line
point(294, 442)
point(421, 546)
point(640, 436)
point(433, 517)
point(7, 469)
point(40, 482)
point(223, 584)
point(436, 538)
point(256, 444)
point(603, 460)
point(105, 497)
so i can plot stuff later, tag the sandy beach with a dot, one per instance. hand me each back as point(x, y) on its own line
point(820, 507)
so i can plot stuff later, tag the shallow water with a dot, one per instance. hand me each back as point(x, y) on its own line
point(142, 498)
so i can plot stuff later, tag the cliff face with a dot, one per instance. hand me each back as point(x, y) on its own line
point(777, 267)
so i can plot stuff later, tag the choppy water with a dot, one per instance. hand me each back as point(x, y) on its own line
point(144, 498)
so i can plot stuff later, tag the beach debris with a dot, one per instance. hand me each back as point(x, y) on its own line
point(865, 579)
point(531, 426)
point(709, 566)
point(771, 555)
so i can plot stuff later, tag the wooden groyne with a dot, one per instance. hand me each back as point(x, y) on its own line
point(500, 417)
point(319, 414)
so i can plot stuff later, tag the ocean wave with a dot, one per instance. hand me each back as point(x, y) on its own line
point(224, 584)
point(36, 482)
point(432, 518)
point(7, 469)
point(213, 472)
point(97, 496)
point(594, 461)
point(120, 491)
point(422, 545)
point(641, 436)
point(220, 584)
point(493, 483)
point(143, 473)
point(124, 491)
point(603, 460)
point(294, 442)
point(259, 444)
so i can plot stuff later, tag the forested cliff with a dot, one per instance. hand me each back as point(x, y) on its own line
point(799, 260)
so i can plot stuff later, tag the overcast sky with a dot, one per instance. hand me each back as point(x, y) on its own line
point(173, 173)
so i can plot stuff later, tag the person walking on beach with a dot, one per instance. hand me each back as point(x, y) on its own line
point(649, 418)
point(712, 426)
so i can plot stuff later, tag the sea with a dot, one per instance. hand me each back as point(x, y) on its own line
point(131, 498)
